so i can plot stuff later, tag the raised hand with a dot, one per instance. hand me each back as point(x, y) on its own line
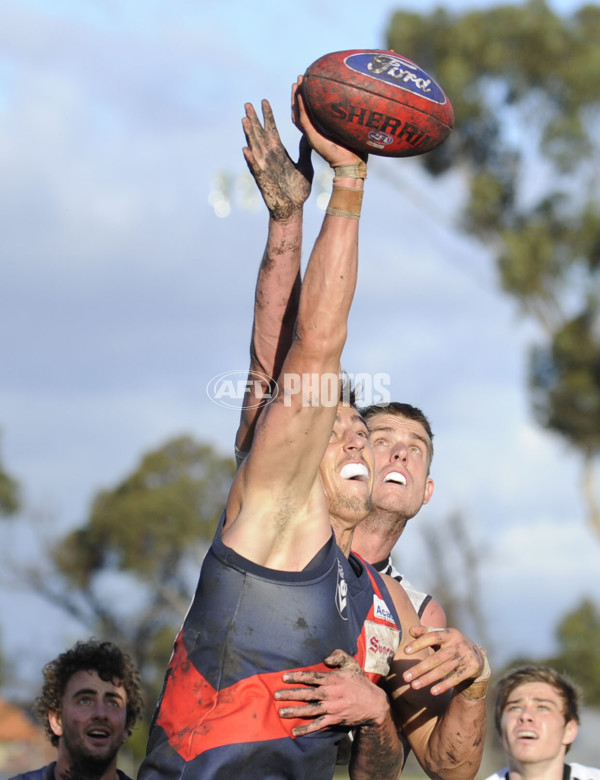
point(284, 184)
point(335, 154)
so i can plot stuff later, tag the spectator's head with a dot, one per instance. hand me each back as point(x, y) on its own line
point(90, 701)
point(536, 714)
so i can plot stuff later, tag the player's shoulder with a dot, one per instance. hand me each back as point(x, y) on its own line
point(428, 610)
point(404, 606)
point(432, 614)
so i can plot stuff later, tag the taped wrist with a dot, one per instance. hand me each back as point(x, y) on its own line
point(345, 202)
point(477, 688)
point(357, 170)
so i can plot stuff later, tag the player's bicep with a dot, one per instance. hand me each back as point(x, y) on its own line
point(403, 661)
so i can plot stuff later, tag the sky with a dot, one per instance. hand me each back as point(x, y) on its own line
point(123, 294)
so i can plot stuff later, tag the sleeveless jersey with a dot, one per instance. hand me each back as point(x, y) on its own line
point(247, 625)
point(418, 599)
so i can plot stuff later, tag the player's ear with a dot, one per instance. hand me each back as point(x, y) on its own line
point(55, 721)
point(571, 730)
point(428, 490)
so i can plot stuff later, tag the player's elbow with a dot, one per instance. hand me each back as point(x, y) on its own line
point(321, 345)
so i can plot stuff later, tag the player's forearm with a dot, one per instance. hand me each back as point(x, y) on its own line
point(377, 752)
point(275, 311)
point(457, 740)
point(330, 279)
point(277, 295)
point(455, 748)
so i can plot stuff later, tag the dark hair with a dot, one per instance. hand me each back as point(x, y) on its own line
point(347, 390)
point(110, 664)
point(514, 678)
point(401, 410)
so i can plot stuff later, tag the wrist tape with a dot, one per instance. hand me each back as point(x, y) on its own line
point(477, 689)
point(357, 170)
point(345, 202)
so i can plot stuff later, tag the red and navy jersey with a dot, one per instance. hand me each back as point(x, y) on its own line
point(247, 625)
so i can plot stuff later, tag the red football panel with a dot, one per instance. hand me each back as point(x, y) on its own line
point(377, 102)
point(369, 122)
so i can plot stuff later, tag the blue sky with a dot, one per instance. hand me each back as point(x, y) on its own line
point(117, 304)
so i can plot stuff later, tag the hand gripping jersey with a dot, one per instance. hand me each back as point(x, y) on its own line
point(246, 626)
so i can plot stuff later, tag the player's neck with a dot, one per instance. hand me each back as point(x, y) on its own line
point(343, 535)
point(375, 538)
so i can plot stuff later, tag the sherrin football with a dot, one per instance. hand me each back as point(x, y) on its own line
point(377, 102)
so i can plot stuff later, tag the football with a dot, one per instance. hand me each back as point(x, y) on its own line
point(376, 102)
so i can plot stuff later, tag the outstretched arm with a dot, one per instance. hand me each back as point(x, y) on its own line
point(284, 186)
point(277, 488)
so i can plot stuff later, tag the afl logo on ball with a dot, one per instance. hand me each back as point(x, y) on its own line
point(397, 71)
point(341, 593)
point(379, 139)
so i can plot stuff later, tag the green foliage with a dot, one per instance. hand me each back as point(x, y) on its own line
point(10, 494)
point(579, 637)
point(2, 664)
point(10, 503)
point(489, 200)
point(578, 656)
point(144, 539)
point(579, 641)
point(493, 59)
point(565, 379)
point(153, 519)
point(536, 255)
point(523, 82)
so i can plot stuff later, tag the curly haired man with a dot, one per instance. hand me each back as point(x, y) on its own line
point(90, 701)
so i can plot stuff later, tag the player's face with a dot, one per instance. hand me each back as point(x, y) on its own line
point(92, 724)
point(347, 466)
point(533, 726)
point(401, 448)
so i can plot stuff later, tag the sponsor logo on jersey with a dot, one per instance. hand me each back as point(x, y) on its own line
point(381, 609)
point(341, 593)
point(396, 71)
point(382, 643)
